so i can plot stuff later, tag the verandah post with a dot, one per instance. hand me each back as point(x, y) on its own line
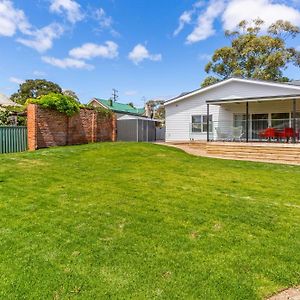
point(247, 122)
point(207, 124)
point(294, 120)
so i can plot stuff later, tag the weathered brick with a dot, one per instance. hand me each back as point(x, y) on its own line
point(47, 128)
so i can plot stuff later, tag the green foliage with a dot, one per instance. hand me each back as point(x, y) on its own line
point(8, 113)
point(209, 81)
point(62, 103)
point(71, 94)
point(131, 104)
point(144, 221)
point(35, 89)
point(4, 117)
point(157, 108)
point(254, 54)
point(100, 110)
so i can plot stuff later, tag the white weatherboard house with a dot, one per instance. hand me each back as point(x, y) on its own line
point(236, 110)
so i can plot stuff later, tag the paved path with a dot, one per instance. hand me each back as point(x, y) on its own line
point(290, 294)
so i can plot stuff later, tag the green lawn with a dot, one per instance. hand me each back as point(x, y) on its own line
point(142, 221)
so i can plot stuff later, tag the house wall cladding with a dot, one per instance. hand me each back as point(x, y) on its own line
point(48, 128)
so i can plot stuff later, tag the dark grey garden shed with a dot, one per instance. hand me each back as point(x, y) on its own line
point(136, 129)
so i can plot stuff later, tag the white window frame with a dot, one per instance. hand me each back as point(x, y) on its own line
point(202, 123)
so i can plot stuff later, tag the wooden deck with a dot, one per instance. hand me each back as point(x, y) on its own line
point(289, 153)
point(263, 152)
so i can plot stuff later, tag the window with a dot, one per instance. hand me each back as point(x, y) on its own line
point(199, 123)
point(239, 121)
point(280, 120)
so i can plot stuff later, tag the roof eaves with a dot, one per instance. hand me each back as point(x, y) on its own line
point(200, 90)
point(266, 98)
point(257, 81)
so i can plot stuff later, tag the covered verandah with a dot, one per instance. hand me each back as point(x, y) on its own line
point(266, 120)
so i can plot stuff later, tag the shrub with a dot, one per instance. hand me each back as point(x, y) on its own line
point(9, 113)
point(62, 103)
point(105, 113)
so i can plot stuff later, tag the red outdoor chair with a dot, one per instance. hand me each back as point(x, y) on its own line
point(287, 134)
point(269, 133)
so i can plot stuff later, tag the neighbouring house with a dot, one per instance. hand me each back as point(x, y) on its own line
point(5, 102)
point(236, 110)
point(133, 124)
point(12, 117)
point(119, 108)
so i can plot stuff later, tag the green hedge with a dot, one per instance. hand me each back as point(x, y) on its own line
point(62, 103)
point(66, 104)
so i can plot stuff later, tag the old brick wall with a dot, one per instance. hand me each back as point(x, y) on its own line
point(105, 129)
point(47, 128)
point(80, 127)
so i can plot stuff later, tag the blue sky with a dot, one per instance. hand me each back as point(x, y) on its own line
point(145, 49)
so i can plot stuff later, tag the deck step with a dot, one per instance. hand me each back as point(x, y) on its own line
point(288, 153)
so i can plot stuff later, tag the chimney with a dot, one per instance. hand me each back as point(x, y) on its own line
point(110, 102)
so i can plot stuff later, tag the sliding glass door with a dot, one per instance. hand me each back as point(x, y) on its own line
point(259, 123)
point(280, 120)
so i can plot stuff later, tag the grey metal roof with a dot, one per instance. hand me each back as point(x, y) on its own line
point(293, 82)
point(5, 101)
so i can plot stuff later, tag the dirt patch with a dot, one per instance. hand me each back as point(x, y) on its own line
point(289, 294)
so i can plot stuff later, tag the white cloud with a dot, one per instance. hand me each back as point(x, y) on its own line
point(90, 50)
point(139, 53)
point(39, 73)
point(77, 56)
point(205, 22)
point(131, 93)
point(204, 56)
point(105, 22)
point(67, 63)
point(186, 17)
point(12, 19)
point(16, 80)
point(42, 39)
point(268, 11)
point(70, 7)
point(231, 12)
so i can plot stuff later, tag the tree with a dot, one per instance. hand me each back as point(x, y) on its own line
point(254, 53)
point(12, 115)
point(209, 81)
point(157, 108)
point(34, 89)
point(71, 94)
point(131, 104)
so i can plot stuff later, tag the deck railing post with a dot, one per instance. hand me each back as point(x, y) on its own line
point(207, 124)
point(247, 122)
point(294, 120)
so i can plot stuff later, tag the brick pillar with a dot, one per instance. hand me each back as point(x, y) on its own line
point(32, 126)
point(68, 131)
point(94, 127)
point(114, 128)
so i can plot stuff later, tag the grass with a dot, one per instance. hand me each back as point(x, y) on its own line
point(142, 221)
